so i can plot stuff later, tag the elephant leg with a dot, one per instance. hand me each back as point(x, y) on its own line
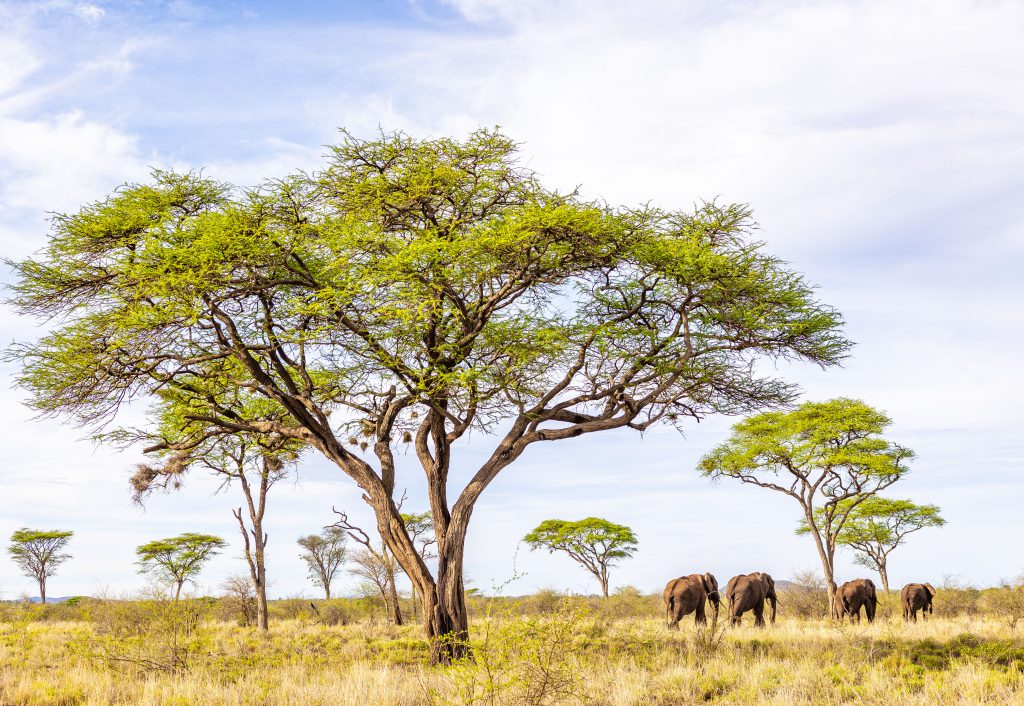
point(759, 616)
point(699, 617)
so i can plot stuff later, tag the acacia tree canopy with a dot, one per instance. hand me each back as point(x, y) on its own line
point(178, 559)
point(593, 543)
point(411, 291)
point(829, 456)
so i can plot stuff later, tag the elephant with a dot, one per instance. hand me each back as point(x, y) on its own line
point(915, 597)
point(688, 594)
point(854, 594)
point(749, 592)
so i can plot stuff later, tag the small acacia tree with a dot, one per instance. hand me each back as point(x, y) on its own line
point(593, 543)
point(323, 555)
point(410, 292)
point(252, 461)
point(178, 559)
point(38, 553)
point(828, 456)
point(876, 526)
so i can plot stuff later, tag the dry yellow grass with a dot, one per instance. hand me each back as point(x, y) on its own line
point(563, 657)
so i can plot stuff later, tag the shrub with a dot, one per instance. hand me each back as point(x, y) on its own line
point(1007, 601)
point(148, 634)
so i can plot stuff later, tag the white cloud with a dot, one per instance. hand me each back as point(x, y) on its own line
point(879, 143)
point(89, 13)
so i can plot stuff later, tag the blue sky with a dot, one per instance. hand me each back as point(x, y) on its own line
point(880, 144)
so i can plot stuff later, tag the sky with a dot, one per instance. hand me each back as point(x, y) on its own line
point(880, 144)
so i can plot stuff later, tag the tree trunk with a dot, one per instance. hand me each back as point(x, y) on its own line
point(255, 553)
point(177, 591)
point(42, 590)
point(604, 584)
point(827, 556)
point(327, 591)
point(396, 607)
point(884, 575)
point(445, 620)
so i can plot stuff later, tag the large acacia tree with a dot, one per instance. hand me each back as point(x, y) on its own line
point(411, 291)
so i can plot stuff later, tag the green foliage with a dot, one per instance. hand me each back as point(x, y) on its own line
point(148, 635)
point(829, 456)
point(594, 543)
point(38, 552)
point(178, 559)
point(875, 526)
point(323, 555)
point(409, 292)
point(527, 660)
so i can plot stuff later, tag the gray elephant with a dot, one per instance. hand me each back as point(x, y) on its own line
point(689, 594)
point(749, 592)
point(917, 597)
point(854, 595)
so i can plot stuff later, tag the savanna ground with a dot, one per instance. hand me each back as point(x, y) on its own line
point(540, 649)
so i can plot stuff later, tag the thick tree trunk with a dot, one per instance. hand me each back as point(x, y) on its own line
point(42, 590)
point(445, 619)
point(884, 575)
point(604, 584)
point(177, 591)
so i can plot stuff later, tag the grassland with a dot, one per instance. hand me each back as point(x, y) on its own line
point(539, 650)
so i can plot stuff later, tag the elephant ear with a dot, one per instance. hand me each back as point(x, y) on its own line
point(931, 589)
point(710, 585)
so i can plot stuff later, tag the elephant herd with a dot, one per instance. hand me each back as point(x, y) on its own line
point(750, 592)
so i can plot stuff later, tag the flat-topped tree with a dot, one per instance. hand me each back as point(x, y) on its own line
point(38, 553)
point(828, 456)
point(412, 291)
point(178, 560)
point(876, 526)
point(593, 543)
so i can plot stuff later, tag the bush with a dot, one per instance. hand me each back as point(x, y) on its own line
point(520, 660)
point(805, 595)
point(148, 634)
point(1007, 601)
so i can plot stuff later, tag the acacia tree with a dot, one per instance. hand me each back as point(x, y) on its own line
point(323, 555)
point(828, 456)
point(593, 543)
point(412, 291)
point(253, 461)
point(876, 526)
point(38, 553)
point(178, 559)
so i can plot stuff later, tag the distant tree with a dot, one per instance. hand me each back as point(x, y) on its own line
point(828, 456)
point(38, 553)
point(593, 543)
point(375, 564)
point(247, 460)
point(876, 526)
point(178, 559)
point(324, 554)
point(420, 527)
point(412, 292)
